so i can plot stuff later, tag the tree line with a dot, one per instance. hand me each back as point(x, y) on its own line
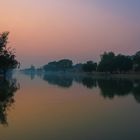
point(109, 63)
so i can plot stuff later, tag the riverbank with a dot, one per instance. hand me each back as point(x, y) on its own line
point(96, 75)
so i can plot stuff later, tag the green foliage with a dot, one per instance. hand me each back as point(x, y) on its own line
point(89, 66)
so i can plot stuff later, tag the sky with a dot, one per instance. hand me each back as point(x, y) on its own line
point(81, 30)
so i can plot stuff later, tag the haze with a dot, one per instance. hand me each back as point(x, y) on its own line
point(46, 30)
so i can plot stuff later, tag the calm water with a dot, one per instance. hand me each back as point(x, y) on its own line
point(56, 107)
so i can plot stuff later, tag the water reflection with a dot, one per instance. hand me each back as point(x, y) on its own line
point(136, 90)
point(7, 91)
point(109, 87)
point(30, 74)
point(119, 87)
point(89, 82)
point(75, 109)
point(59, 80)
point(112, 87)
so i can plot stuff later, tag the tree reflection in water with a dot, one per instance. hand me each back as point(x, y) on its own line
point(89, 82)
point(64, 81)
point(119, 87)
point(109, 87)
point(112, 87)
point(136, 90)
point(7, 91)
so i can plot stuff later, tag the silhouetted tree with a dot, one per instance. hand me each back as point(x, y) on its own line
point(51, 66)
point(78, 67)
point(7, 56)
point(136, 60)
point(32, 68)
point(123, 63)
point(111, 63)
point(65, 64)
point(61, 65)
point(3, 40)
point(107, 62)
point(90, 66)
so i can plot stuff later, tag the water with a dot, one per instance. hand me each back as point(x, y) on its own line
point(67, 107)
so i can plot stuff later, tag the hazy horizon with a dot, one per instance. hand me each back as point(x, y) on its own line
point(81, 30)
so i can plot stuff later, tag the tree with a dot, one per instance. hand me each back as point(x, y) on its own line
point(7, 56)
point(90, 66)
point(32, 68)
point(61, 65)
point(112, 63)
point(123, 63)
point(136, 61)
point(107, 62)
point(65, 64)
point(51, 66)
point(3, 40)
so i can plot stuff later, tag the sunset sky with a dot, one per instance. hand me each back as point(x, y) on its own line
point(46, 30)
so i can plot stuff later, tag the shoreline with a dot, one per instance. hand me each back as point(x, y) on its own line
point(96, 75)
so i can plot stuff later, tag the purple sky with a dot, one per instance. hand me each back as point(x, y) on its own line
point(46, 30)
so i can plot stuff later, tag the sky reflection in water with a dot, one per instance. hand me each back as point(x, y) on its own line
point(73, 107)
